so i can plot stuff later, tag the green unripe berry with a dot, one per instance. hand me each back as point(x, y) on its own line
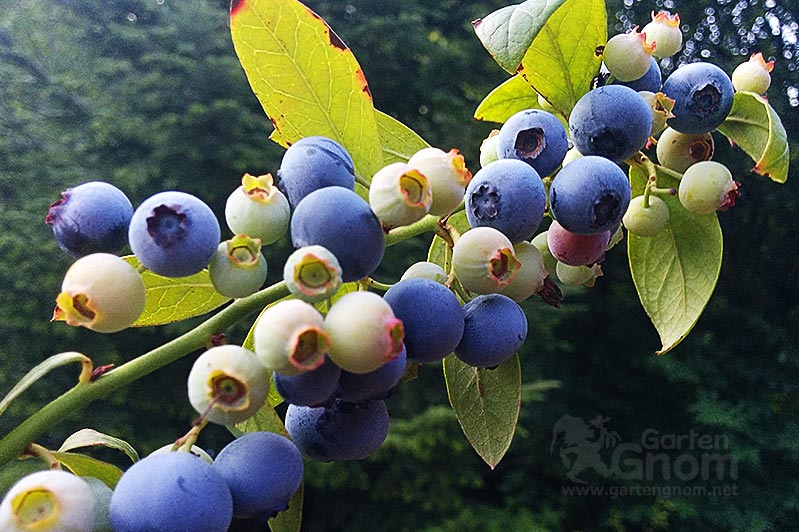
point(753, 75)
point(627, 55)
point(530, 277)
point(425, 270)
point(258, 209)
point(488, 149)
point(664, 34)
point(540, 242)
point(578, 275)
point(227, 384)
point(101, 292)
point(447, 174)
point(645, 220)
point(312, 273)
point(238, 268)
point(290, 337)
point(399, 195)
point(677, 151)
point(483, 260)
point(364, 332)
point(707, 187)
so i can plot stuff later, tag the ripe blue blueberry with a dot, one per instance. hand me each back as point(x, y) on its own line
point(309, 388)
point(431, 316)
point(536, 137)
point(262, 471)
point(589, 195)
point(363, 387)
point(651, 81)
point(171, 492)
point(312, 163)
point(341, 221)
point(174, 234)
point(90, 218)
point(495, 328)
point(509, 196)
point(612, 121)
point(343, 431)
point(703, 95)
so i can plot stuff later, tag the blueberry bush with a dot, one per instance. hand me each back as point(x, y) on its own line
point(354, 181)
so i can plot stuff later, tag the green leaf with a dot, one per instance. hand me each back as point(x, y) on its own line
point(563, 58)
point(755, 126)
point(508, 32)
point(398, 140)
point(39, 371)
point(171, 299)
point(307, 80)
point(676, 270)
point(92, 438)
point(86, 466)
point(487, 404)
point(290, 519)
point(18, 468)
point(440, 253)
point(512, 96)
point(265, 420)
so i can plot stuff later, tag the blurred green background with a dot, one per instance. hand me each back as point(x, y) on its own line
point(148, 95)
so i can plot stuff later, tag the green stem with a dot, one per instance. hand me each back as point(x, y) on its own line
point(428, 224)
point(15, 442)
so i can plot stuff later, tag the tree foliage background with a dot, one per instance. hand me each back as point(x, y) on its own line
point(149, 95)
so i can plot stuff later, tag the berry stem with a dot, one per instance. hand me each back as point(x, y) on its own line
point(377, 285)
point(428, 224)
point(362, 181)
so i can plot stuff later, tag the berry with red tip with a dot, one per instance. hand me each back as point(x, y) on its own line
point(483, 260)
point(399, 195)
point(290, 337)
point(753, 75)
point(706, 187)
point(447, 174)
point(628, 55)
point(530, 277)
point(664, 32)
point(101, 292)
point(364, 332)
point(575, 249)
point(312, 273)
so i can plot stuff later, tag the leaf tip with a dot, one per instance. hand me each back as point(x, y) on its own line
point(235, 6)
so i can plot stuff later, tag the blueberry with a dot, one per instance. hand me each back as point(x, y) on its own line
point(706, 187)
point(171, 492)
point(483, 260)
point(495, 328)
point(651, 81)
point(536, 137)
point(312, 274)
point(258, 209)
point(309, 388)
point(174, 234)
point(343, 431)
point(678, 151)
point(627, 55)
point(753, 75)
point(340, 220)
point(238, 268)
point(312, 163)
point(589, 195)
point(262, 471)
point(612, 121)
point(530, 277)
point(400, 195)
point(91, 218)
point(646, 220)
point(364, 387)
point(431, 316)
point(664, 31)
point(703, 96)
point(507, 195)
point(576, 250)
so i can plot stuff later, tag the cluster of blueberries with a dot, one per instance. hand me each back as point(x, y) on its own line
point(336, 369)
